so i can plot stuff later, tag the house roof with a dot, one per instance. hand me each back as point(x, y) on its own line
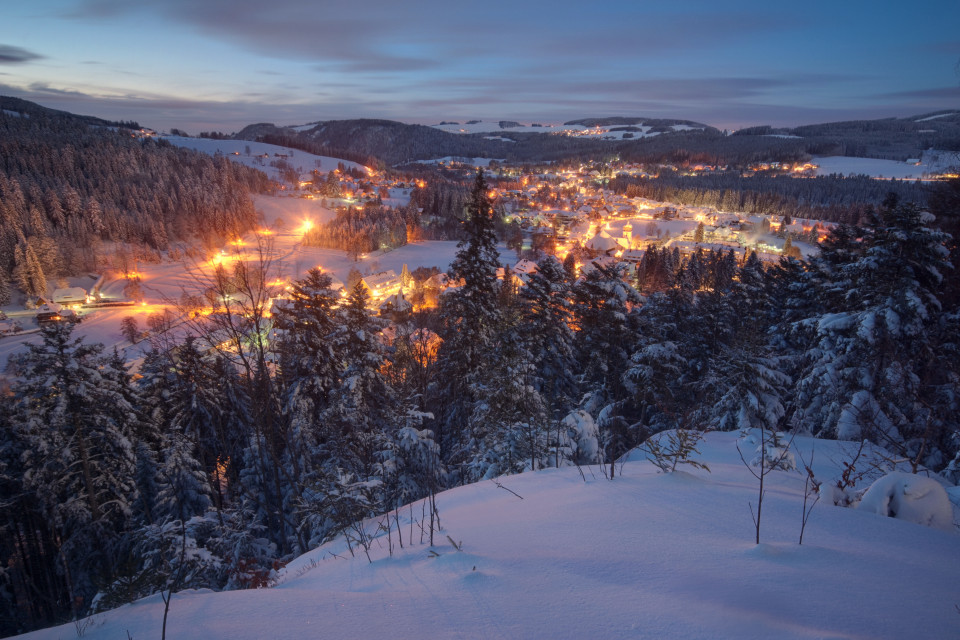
point(381, 278)
point(603, 241)
point(525, 266)
point(70, 293)
point(397, 302)
point(50, 307)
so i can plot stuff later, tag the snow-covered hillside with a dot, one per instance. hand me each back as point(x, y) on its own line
point(553, 555)
point(612, 132)
point(259, 155)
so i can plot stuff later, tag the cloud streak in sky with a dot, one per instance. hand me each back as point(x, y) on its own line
point(15, 55)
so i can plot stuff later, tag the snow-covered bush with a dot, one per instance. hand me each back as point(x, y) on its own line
point(909, 497)
point(668, 449)
point(775, 452)
point(582, 436)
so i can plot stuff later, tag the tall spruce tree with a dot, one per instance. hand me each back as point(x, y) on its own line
point(471, 319)
point(872, 367)
point(79, 463)
point(310, 364)
point(604, 310)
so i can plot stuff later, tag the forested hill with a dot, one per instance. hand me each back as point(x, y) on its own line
point(657, 123)
point(19, 106)
point(888, 138)
point(69, 184)
point(395, 143)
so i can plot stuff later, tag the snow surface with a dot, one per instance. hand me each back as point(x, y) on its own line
point(493, 127)
point(302, 161)
point(939, 115)
point(909, 497)
point(474, 162)
point(647, 555)
point(932, 162)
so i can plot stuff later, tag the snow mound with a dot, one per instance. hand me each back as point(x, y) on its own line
point(909, 497)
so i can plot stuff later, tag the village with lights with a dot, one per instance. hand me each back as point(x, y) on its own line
point(559, 211)
point(563, 210)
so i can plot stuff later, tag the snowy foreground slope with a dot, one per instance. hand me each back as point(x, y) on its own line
point(643, 556)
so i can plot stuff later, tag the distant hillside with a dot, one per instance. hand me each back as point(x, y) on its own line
point(679, 141)
point(889, 138)
point(71, 186)
point(386, 140)
point(13, 106)
point(656, 123)
point(396, 143)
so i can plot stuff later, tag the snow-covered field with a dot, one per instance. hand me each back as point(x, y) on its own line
point(493, 127)
point(646, 555)
point(932, 162)
point(475, 162)
point(236, 150)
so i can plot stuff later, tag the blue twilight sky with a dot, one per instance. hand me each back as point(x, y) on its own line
point(222, 64)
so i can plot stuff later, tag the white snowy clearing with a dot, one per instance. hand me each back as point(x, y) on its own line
point(932, 162)
point(646, 555)
point(261, 154)
point(600, 132)
point(473, 162)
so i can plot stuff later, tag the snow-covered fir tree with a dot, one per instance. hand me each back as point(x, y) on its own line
point(79, 464)
point(869, 370)
point(471, 318)
point(547, 336)
point(604, 308)
point(311, 366)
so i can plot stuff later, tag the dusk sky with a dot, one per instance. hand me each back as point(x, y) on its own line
point(222, 64)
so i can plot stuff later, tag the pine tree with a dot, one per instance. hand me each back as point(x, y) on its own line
point(509, 428)
point(79, 462)
point(604, 315)
point(546, 328)
point(872, 358)
point(311, 367)
point(35, 593)
point(358, 423)
point(788, 247)
point(184, 489)
point(6, 294)
point(471, 319)
point(655, 375)
point(36, 282)
point(194, 408)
